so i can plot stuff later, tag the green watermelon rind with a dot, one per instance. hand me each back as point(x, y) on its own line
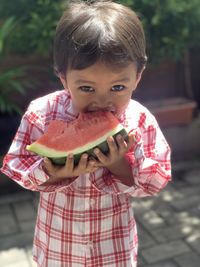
point(103, 146)
point(59, 157)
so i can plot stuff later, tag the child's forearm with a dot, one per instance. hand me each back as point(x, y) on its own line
point(123, 171)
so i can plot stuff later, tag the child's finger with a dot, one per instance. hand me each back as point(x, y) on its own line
point(83, 162)
point(49, 166)
point(131, 140)
point(122, 144)
point(112, 145)
point(101, 157)
point(69, 164)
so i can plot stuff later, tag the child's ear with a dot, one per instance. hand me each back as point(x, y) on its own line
point(63, 80)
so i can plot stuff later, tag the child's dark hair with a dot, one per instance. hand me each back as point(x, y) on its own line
point(101, 30)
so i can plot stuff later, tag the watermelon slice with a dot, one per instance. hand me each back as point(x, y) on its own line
point(79, 136)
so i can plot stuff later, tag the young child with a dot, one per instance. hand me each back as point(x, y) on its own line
point(85, 216)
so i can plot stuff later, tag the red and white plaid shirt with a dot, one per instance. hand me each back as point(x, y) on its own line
point(87, 221)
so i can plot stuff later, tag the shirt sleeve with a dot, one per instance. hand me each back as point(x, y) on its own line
point(25, 167)
point(150, 162)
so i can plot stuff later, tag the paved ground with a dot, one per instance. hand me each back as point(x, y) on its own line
point(169, 224)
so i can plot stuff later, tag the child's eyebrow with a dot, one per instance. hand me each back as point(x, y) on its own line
point(125, 79)
point(81, 81)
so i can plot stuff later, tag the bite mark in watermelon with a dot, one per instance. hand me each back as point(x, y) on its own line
point(79, 136)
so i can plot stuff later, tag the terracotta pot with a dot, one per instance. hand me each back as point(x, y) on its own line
point(172, 111)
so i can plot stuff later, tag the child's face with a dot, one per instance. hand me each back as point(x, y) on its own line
point(98, 87)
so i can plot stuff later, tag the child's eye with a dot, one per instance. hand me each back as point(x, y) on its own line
point(86, 88)
point(118, 88)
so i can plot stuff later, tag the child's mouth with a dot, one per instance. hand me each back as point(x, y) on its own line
point(110, 109)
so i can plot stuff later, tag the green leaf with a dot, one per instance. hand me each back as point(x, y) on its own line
point(5, 29)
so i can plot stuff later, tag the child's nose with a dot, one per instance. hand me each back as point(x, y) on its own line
point(102, 101)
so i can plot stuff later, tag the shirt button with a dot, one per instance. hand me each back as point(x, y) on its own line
point(90, 244)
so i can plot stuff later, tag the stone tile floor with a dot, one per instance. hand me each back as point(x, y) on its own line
point(168, 224)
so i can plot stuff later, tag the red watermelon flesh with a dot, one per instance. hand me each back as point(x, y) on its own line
point(79, 136)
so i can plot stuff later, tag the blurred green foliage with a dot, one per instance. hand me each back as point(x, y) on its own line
point(12, 79)
point(171, 26)
point(36, 25)
point(26, 28)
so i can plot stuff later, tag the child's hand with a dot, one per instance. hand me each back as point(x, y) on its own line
point(58, 173)
point(117, 150)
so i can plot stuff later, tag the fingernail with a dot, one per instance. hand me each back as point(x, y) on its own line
point(85, 156)
point(46, 160)
point(96, 150)
point(119, 137)
point(110, 139)
point(70, 156)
